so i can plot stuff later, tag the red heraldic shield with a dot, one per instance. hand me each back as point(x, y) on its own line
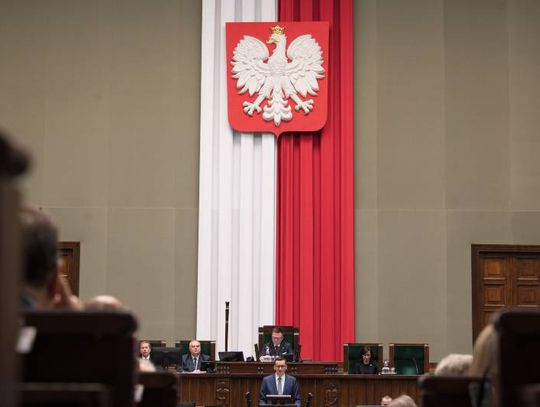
point(277, 76)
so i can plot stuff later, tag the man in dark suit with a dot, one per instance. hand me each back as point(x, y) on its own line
point(191, 362)
point(144, 350)
point(279, 383)
point(278, 346)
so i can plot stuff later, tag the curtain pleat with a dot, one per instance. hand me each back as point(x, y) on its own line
point(315, 210)
point(236, 243)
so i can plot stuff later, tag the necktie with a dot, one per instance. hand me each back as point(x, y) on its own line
point(195, 363)
point(279, 386)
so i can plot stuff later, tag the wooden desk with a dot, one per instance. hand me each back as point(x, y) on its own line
point(268, 368)
point(336, 390)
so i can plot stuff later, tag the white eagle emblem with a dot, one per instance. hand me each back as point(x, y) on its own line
point(278, 79)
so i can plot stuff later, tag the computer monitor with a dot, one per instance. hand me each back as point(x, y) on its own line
point(208, 366)
point(164, 357)
point(279, 399)
point(233, 356)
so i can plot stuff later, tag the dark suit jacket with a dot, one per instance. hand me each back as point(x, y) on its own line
point(268, 386)
point(187, 362)
point(372, 368)
point(284, 348)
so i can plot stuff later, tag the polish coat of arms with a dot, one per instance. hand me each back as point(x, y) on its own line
point(275, 86)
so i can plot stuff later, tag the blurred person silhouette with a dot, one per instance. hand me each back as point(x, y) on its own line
point(402, 401)
point(484, 365)
point(454, 364)
point(43, 285)
point(386, 400)
point(104, 303)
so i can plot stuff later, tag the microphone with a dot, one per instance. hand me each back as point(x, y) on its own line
point(416, 366)
point(226, 326)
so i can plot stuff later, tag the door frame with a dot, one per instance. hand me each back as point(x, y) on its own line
point(73, 251)
point(477, 250)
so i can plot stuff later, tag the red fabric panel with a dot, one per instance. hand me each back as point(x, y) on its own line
point(315, 209)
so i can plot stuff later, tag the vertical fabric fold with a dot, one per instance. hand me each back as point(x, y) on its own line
point(236, 243)
point(315, 188)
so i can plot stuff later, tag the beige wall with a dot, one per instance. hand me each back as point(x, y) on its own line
point(106, 95)
point(447, 147)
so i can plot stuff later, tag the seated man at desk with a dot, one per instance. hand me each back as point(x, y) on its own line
point(279, 383)
point(144, 350)
point(191, 362)
point(278, 347)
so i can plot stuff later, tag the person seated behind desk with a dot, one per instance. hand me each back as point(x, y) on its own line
point(278, 347)
point(279, 383)
point(191, 362)
point(144, 350)
point(366, 365)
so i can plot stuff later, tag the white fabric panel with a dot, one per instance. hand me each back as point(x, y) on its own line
point(237, 199)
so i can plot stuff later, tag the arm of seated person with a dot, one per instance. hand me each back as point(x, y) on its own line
point(61, 294)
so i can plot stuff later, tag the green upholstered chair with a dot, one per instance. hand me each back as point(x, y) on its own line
point(352, 354)
point(207, 347)
point(290, 334)
point(409, 358)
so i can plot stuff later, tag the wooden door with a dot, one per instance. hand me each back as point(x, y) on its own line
point(503, 276)
point(69, 253)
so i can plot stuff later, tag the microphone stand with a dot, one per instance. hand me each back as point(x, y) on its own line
point(226, 326)
point(416, 365)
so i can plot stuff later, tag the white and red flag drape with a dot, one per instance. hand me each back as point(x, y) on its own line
point(276, 219)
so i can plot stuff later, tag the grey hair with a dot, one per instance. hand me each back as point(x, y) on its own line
point(402, 401)
point(455, 364)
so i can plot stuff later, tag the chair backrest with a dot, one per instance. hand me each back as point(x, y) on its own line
point(447, 391)
point(62, 394)
point(155, 343)
point(166, 358)
point(518, 336)
point(159, 389)
point(409, 358)
point(207, 347)
point(531, 395)
point(83, 347)
point(290, 334)
point(352, 354)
